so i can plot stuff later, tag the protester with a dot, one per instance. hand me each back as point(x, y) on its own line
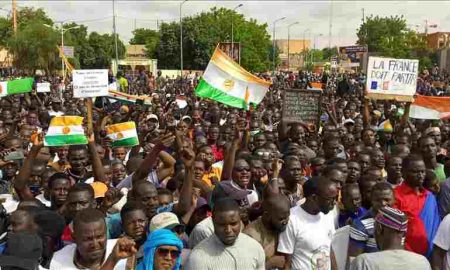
point(227, 248)
point(390, 228)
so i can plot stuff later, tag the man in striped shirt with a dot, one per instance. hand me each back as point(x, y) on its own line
point(362, 238)
point(227, 248)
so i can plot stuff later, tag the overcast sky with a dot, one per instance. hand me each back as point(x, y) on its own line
point(314, 15)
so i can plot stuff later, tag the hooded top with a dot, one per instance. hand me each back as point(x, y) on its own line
point(161, 237)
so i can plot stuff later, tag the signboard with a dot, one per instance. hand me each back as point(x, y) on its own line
point(68, 51)
point(90, 83)
point(351, 56)
point(227, 48)
point(43, 87)
point(390, 78)
point(302, 105)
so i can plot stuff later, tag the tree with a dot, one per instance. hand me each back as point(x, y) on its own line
point(101, 50)
point(149, 38)
point(202, 33)
point(34, 48)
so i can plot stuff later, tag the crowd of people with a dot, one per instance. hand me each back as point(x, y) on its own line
point(215, 187)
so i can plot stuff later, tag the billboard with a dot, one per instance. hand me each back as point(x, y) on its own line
point(227, 48)
point(351, 56)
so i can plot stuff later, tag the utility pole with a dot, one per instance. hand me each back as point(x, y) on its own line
point(331, 24)
point(115, 35)
point(14, 16)
point(181, 43)
point(289, 43)
point(232, 31)
point(273, 43)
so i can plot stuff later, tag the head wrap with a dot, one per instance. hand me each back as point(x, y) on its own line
point(161, 237)
point(392, 218)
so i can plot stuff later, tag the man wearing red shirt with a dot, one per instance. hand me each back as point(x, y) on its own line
point(419, 205)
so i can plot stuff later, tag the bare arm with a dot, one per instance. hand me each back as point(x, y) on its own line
point(437, 258)
point(20, 183)
point(230, 155)
point(168, 165)
point(184, 203)
point(150, 160)
point(353, 251)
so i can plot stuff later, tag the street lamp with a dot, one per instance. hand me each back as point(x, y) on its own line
point(304, 46)
point(181, 42)
point(289, 43)
point(232, 31)
point(62, 44)
point(312, 55)
point(273, 43)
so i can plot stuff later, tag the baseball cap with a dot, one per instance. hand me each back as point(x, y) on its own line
point(99, 189)
point(349, 121)
point(23, 251)
point(166, 220)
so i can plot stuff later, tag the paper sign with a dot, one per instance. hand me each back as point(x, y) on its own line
point(43, 87)
point(3, 89)
point(390, 78)
point(90, 83)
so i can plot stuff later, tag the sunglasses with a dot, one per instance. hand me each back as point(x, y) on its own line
point(163, 252)
point(241, 169)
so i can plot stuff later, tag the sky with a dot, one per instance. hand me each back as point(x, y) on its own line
point(346, 16)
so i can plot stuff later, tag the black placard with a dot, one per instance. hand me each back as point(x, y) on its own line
point(302, 105)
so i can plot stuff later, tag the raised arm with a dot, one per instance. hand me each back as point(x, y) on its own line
point(168, 165)
point(21, 181)
point(230, 155)
point(184, 203)
point(97, 167)
point(151, 158)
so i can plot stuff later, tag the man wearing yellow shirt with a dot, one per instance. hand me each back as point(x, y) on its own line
point(211, 173)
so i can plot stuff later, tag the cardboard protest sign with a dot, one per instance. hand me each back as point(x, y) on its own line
point(90, 83)
point(302, 105)
point(43, 87)
point(390, 78)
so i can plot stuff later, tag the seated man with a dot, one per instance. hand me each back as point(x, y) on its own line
point(91, 248)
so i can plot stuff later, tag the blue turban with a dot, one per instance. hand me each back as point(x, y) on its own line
point(161, 237)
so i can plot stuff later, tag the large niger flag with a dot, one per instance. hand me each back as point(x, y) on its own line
point(425, 107)
point(18, 86)
point(65, 130)
point(123, 134)
point(228, 83)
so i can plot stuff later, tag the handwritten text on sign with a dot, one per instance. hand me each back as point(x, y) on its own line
point(90, 83)
point(301, 105)
point(389, 76)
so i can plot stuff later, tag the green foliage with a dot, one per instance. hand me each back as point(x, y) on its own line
point(35, 45)
point(149, 38)
point(202, 33)
point(390, 37)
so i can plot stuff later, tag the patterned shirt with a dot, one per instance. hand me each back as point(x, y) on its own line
point(362, 232)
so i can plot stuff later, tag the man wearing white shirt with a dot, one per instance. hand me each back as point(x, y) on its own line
point(306, 242)
point(91, 248)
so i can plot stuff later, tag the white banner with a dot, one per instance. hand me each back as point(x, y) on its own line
point(390, 78)
point(43, 87)
point(90, 83)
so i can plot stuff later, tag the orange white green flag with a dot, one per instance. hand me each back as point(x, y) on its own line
point(225, 81)
point(65, 130)
point(426, 107)
point(122, 134)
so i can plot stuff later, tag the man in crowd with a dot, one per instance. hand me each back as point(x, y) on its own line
point(306, 242)
point(390, 228)
point(227, 248)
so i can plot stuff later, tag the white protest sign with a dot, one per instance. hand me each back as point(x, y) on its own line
point(3, 89)
point(43, 87)
point(390, 78)
point(90, 83)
